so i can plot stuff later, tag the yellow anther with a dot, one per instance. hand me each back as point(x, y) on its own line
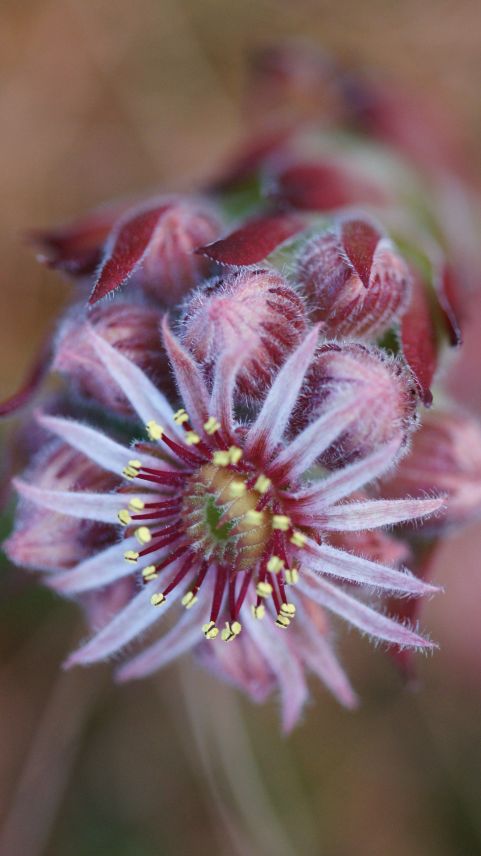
point(131, 556)
point(258, 611)
point(212, 425)
point(298, 538)
point(282, 621)
point(191, 438)
point(136, 504)
point(124, 517)
point(288, 610)
point(181, 416)
point(131, 471)
point(275, 564)
point(281, 521)
point(254, 517)
point(149, 573)
point(135, 463)
point(189, 599)
point(236, 489)
point(235, 454)
point(143, 534)
point(210, 631)
point(154, 430)
point(157, 599)
point(292, 576)
point(221, 459)
point(263, 589)
point(262, 484)
point(230, 631)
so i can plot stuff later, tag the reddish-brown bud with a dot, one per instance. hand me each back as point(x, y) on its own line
point(385, 398)
point(355, 281)
point(132, 329)
point(256, 311)
point(445, 457)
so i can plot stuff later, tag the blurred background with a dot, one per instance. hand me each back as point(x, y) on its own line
point(102, 99)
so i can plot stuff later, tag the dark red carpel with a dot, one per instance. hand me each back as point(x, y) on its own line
point(77, 248)
point(323, 186)
point(418, 339)
point(126, 250)
point(254, 241)
point(360, 239)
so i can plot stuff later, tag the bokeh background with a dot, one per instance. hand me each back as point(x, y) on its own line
point(106, 98)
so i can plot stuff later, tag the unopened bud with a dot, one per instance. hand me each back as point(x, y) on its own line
point(256, 311)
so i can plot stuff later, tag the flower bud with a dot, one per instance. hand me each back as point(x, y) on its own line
point(355, 281)
point(256, 311)
point(385, 394)
point(445, 457)
point(132, 329)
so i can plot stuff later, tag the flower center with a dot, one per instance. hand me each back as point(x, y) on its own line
point(221, 517)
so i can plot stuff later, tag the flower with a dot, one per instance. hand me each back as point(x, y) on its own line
point(219, 517)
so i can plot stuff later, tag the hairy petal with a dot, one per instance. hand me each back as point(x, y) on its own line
point(144, 397)
point(107, 453)
point(361, 616)
point(269, 426)
point(180, 638)
point(347, 480)
point(285, 665)
point(97, 571)
point(320, 658)
point(221, 402)
point(103, 507)
point(324, 559)
point(191, 385)
point(316, 438)
point(371, 514)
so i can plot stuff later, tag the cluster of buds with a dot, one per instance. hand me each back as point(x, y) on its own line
point(299, 351)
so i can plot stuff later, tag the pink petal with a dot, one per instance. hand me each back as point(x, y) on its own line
point(92, 443)
point(284, 663)
point(255, 240)
point(145, 398)
point(371, 514)
point(359, 239)
point(361, 616)
point(132, 621)
point(418, 339)
point(185, 633)
point(192, 388)
point(268, 428)
point(324, 186)
point(96, 571)
point(319, 559)
point(221, 403)
point(320, 658)
point(102, 507)
point(126, 250)
point(347, 480)
point(316, 438)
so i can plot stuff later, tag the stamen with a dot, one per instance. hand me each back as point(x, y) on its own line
point(181, 416)
point(292, 576)
point(262, 484)
point(254, 517)
point(143, 535)
point(281, 522)
point(263, 589)
point(258, 611)
point(209, 630)
point(191, 438)
point(157, 599)
point(282, 621)
point(275, 564)
point(149, 573)
point(212, 425)
point(221, 459)
point(235, 454)
point(236, 489)
point(136, 504)
point(231, 630)
point(131, 556)
point(132, 469)
point(154, 430)
point(189, 599)
point(298, 538)
point(124, 517)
